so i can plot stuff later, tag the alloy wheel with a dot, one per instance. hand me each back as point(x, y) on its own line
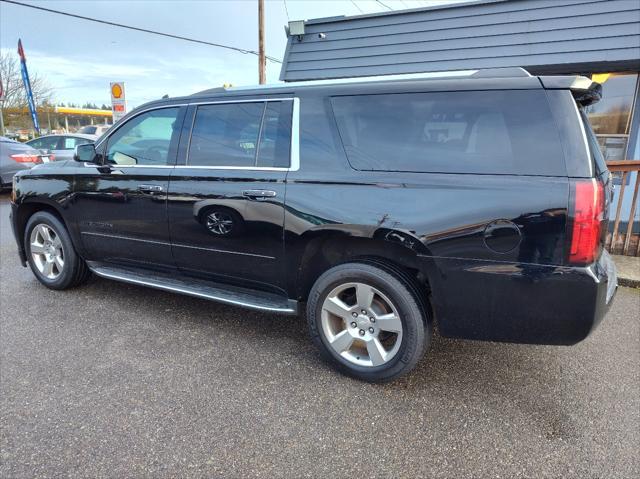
point(361, 324)
point(47, 251)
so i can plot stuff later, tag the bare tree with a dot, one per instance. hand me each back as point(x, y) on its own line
point(14, 93)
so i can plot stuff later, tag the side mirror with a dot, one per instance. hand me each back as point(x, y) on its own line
point(86, 153)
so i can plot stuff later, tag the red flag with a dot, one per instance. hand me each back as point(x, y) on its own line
point(21, 51)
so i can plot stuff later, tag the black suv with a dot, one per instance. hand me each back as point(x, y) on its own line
point(477, 199)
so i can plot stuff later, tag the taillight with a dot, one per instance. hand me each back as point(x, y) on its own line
point(26, 158)
point(588, 215)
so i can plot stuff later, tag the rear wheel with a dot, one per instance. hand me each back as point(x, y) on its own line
point(367, 321)
point(50, 253)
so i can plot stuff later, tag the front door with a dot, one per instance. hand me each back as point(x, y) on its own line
point(121, 205)
point(226, 201)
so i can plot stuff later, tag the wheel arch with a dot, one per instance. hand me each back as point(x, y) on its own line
point(26, 210)
point(324, 252)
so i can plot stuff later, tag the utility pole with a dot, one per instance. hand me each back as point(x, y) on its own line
point(262, 61)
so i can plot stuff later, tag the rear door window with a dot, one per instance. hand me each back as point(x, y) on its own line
point(485, 132)
point(243, 134)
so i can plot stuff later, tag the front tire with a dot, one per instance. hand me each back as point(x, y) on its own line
point(367, 321)
point(51, 254)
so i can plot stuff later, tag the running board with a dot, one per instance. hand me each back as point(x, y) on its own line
point(199, 288)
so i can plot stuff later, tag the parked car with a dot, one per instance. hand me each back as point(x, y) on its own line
point(95, 130)
point(378, 205)
point(62, 146)
point(16, 156)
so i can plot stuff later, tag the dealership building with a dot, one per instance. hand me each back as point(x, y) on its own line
point(596, 38)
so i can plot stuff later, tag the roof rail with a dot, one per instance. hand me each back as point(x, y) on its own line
point(509, 72)
point(515, 72)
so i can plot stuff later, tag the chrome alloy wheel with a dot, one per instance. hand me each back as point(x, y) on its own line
point(219, 223)
point(361, 324)
point(46, 251)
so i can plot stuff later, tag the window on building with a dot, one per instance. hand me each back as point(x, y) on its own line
point(611, 117)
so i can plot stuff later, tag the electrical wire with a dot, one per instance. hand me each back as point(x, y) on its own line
point(286, 9)
point(356, 5)
point(144, 30)
point(386, 6)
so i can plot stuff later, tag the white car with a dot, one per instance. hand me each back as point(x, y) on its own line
point(95, 130)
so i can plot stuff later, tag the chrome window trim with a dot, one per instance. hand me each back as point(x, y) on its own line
point(294, 153)
point(119, 167)
point(294, 146)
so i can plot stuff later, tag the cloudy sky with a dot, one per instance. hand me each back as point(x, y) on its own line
point(80, 58)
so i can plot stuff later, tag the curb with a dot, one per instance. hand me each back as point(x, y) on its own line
point(629, 282)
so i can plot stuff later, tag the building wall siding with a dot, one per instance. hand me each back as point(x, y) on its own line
point(543, 36)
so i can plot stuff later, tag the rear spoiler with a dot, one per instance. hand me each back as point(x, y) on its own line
point(585, 91)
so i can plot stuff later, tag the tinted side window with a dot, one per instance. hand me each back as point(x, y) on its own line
point(144, 139)
point(486, 132)
point(225, 134)
point(275, 138)
point(241, 134)
point(45, 143)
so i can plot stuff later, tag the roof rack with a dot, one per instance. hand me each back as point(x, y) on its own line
point(515, 72)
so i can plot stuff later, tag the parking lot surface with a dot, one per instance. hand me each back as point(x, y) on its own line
point(112, 380)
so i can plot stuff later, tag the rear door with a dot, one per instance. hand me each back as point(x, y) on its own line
point(226, 199)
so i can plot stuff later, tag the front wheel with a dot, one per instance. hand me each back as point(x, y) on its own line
point(367, 321)
point(51, 254)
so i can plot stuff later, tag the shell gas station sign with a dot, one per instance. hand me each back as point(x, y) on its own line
point(118, 101)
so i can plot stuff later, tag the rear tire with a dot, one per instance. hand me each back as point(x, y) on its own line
point(368, 322)
point(50, 253)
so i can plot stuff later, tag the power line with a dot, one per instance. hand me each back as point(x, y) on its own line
point(286, 9)
point(386, 6)
point(144, 30)
point(356, 5)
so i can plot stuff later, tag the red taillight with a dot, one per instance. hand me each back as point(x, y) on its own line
point(588, 214)
point(26, 158)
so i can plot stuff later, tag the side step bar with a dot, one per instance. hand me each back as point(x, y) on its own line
point(234, 295)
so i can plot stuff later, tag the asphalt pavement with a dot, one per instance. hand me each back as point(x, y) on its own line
point(112, 380)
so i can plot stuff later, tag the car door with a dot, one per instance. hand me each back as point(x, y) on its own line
point(120, 205)
point(226, 198)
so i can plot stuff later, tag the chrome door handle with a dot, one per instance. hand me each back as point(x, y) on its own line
point(259, 193)
point(150, 188)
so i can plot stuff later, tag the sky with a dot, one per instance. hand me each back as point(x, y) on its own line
point(80, 58)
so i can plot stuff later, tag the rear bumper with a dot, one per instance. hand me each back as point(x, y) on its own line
point(521, 303)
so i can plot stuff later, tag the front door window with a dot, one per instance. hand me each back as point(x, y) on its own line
point(145, 140)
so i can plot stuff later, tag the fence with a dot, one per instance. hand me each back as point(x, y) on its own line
point(619, 241)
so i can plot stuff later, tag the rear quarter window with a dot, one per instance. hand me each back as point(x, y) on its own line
point(485, 132)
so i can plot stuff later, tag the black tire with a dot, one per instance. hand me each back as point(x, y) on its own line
point(75, 270)
point(416, 325)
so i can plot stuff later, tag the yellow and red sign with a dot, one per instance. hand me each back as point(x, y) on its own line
point(118, 100)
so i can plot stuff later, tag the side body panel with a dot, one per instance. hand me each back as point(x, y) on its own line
point(117, 220)
point(252, 253)
point(491, 246)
